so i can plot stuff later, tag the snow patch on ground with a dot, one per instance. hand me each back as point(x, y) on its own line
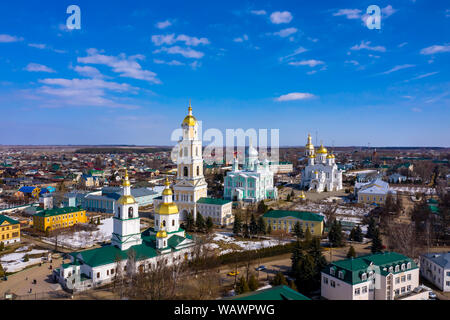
point(85, 239)
point(13, 262)
point(222, 240)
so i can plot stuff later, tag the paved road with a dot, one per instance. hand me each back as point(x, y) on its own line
point(20, 285)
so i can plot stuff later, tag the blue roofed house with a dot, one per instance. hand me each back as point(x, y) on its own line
point(373, 192)
point(435, 267)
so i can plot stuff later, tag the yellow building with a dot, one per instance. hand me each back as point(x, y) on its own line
point(57, 218)
point(9, 230)
point(285, 220)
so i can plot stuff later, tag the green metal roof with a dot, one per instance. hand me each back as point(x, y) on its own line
point(302, 215)
point(275, 293)
point(109, 254)
point(4, 218)
point(354, 268)
point(58, 211)
point(213, 201)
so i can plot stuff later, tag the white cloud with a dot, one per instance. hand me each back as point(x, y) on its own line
point(170, 39)
point(399, 67)
point(35, 67)
point(123, 65)
point(83, 92)
point(435, 49)
point(170, 63)
point(425, 75)
point(259, 12)
point(295, 96)
point(311, 63)
point(354, 62)
point(185, 52)
point(286, 32)
point(278, 17)
point(37, 45)
point(163, 24)
point(401, 45)
point(387, 11)
point(6, 38)
point(349, 13)
point(88, 71)
point(194, 65)
point(296, 52)
point(365, 45)
point(241, 39)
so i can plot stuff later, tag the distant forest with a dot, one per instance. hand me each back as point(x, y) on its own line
point(122, 150)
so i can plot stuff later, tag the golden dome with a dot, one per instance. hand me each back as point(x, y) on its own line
point(309, 145)
point(161, 233)
point(302, 195)
point(126, 182)
point(168, 208)
point(167, 191)
point(126, 200)
point(311, 156)
point(190, 119)
point(322, 149)
point(330, 156)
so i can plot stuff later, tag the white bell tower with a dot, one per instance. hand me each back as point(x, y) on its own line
point(126, 228)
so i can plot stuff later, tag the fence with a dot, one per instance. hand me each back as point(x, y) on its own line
point(52, 295)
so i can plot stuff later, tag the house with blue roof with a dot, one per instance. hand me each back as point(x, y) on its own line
point(435, 267)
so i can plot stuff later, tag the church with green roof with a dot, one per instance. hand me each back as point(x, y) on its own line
point(130, 250)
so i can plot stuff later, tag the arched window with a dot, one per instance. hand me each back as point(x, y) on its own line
point(185, 171)
point(198, 170)
point(397, 268)
point(130, 212)
point(118, 212)
point(185, 151)
point(164, 223)
point(403, 266)
point(196, 151)
point(173, 223)
point(409, 265)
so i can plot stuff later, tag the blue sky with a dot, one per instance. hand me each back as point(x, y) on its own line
point(299, 66)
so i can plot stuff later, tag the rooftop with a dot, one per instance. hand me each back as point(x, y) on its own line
point(302, 215)
point(275, 293)
point(57, 211)
point(213, 201)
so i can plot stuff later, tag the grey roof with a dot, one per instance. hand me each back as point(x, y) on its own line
point(441, 259)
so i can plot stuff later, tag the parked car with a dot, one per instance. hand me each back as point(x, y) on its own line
point(432, 295)
point(233, 273)
point(261, 268)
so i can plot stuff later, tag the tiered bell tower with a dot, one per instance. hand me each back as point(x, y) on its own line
point(190, 183)
point(126, 224)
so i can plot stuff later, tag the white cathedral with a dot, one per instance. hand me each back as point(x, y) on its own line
point(130, 249)
point(321, 173)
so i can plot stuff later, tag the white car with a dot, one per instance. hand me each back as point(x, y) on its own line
point(432, 295)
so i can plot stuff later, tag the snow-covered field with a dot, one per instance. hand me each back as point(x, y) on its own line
point(414, 190)
point(13, 262)
point(225, 243)
point(341, 209)
point(85, 239)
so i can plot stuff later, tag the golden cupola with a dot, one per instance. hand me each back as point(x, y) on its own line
point(330, 156)
point(190, 119)
point(161, 233)
point(167, 191)
point(167, 206)
point(322, 149)
point(126, 198)
point(309, 145)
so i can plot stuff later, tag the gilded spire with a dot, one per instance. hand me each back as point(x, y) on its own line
point(126, 182)
point(190, 119)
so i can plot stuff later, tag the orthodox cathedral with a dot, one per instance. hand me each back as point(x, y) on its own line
point(321, 172)
point(253, 183)
point(130, 249)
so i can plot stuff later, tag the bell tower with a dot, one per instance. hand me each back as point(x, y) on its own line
point(126, 224)
point(190, 183)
